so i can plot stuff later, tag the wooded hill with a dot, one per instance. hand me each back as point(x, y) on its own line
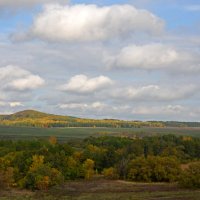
point(34, 118)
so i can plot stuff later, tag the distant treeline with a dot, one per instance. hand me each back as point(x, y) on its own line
point(40, 164)
point(37, 119)
point(181, 124)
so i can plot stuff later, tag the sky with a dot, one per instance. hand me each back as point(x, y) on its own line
point(122, 59)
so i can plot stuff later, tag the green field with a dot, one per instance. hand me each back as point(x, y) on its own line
point(81, 133)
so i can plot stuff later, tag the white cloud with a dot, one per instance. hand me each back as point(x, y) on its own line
point(10, 104)
point(149, 56)
point(94, 109)
point(16, 78)
point(83, 84)
point(28, 82)
point(158, 110)
point(15, 104)
point(84, 106)
point(73, 106)
point(154, 56)
point(90, 22)
point(155, 93)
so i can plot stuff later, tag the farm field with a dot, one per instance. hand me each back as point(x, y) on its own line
point(105, 190)
point(81, 133)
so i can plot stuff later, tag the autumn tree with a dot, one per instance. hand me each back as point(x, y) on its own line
point(88, 167)
point(6, 178)
point(41, 175)
point(190, 178)
point(53, 140)
point(110, 173)
point(154, 169)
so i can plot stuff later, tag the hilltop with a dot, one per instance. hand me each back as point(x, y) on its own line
point(33, 118)
point(36, 119)
point(24, 114)
point(39, 119)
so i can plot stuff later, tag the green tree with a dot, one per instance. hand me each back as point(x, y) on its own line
point(154, 169)
point(190, 178)
point(41, 175)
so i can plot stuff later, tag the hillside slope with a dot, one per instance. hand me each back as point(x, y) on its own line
point(38, 119)
point(34, 118)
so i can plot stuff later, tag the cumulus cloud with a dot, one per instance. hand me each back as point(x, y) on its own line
point(11, 104)
point(83, 84)
point(90, 22)
point(131, 111)
point(150, 56)
point(15, 104)
point(94, 109)
point(83, 106)
point(18, 79)
point(154, 56)
point(158, 110)
point(155, 93)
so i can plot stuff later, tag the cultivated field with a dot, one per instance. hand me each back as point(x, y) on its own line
point(81, 133)
point(106, 190)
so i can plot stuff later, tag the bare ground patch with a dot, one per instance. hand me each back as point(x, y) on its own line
point(101, 189)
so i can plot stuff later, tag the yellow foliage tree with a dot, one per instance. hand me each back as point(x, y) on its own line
point(110, 173)
point(88, 167)
point(6, 178)
point(38, 160)
point(44, 183)
point(53, 140)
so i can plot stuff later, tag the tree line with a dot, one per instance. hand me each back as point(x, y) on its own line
point(33, 118)
point(40, 164)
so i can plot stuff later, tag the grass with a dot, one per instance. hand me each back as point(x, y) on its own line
point(81, 133)
point(106, 190)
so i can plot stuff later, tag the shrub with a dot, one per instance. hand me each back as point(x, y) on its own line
point(154, 169)
point(110, 173)
point(6, 178)
point(190, 178)
point(88, 167)
point(42, 178)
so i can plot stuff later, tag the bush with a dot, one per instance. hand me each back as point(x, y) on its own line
point(42, 178)
point(6, 178)
point(154, 169)
point(110, 173)
point(190, 178)
point(88, 167)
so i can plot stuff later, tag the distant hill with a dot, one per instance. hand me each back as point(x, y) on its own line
point(39, 119)
point(24, 114)
point(34, 118)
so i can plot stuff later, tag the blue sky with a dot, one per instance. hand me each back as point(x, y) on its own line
point(134, 59)
point(175, 13)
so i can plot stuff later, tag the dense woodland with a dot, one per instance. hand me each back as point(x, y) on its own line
point(32, 118)
point(40, 164)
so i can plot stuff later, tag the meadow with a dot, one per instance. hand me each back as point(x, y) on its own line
point(101, 189)
point(64, 134)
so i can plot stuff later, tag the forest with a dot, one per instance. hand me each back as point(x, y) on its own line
point(32, 118)
point(40, 164)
